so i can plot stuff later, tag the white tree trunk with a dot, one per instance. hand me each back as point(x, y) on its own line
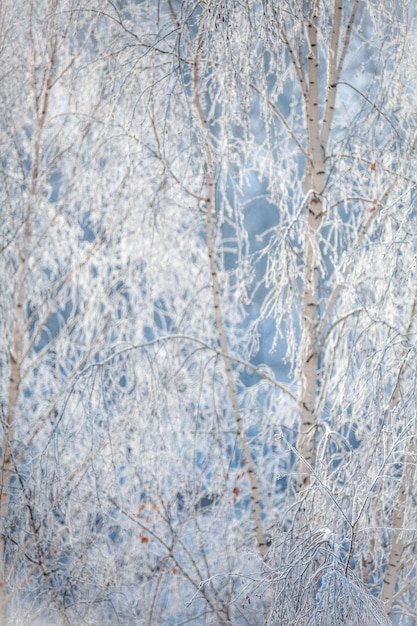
point(406, 485)
point(314, 183)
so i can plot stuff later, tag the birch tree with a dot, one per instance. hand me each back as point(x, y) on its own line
point(64, 297)
point(49, 250)
point(329, 98)
point(208, 309)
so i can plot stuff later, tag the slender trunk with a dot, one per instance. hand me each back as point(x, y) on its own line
point(314, 183)
point(7, 443)
point(317, 144)
point(16, 350)
point(399, 511)
point(397, 543)
point(210, 208)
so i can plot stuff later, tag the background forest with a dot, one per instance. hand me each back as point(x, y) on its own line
point(208, 266)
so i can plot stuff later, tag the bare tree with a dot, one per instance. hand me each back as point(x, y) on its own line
point(63, 296)
point(208, 297)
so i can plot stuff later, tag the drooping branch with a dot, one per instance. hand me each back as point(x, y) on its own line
point(166, 338)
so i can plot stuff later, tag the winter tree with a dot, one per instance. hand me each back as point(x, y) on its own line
point(208, 266)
